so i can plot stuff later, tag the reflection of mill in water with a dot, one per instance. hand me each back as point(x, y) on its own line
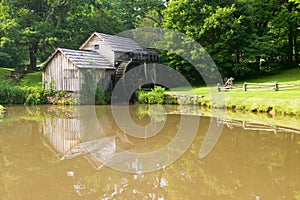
point(79, 135)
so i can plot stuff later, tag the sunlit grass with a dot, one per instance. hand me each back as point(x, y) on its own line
point(5, 71)
point(259, 100)
point(33, 79)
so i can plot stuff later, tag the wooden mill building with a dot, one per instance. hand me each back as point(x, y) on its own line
point(109, 56)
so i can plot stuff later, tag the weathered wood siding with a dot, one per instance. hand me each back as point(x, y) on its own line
point(103, 49)
point(61, 74)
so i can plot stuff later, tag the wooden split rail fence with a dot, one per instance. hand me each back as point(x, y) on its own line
point(275, 86)
point(261, 86)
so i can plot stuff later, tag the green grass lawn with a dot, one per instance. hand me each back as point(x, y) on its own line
point(32, 79)
point(260, 100)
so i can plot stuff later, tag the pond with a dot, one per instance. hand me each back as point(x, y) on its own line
point(144, 152)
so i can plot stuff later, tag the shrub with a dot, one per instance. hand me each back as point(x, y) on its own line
point(11, 93)
point(100, 98)
point(155, 96)
point(36, 96)
point(142, 96)
point(33, 99)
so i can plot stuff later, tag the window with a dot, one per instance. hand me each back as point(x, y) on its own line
point(96, 47)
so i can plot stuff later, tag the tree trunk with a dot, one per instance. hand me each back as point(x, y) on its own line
point(297, 60)
point(290, 49)
point(33, 48)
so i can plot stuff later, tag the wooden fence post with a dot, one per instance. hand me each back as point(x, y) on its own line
point(276, 86)
point(219, 89)
point(245, 86)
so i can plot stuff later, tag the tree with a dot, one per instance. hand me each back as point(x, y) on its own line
point(132, 13)
point(10, 54)
point(243, 37)
point(30, 16)
point(286, 25)
point(40, 26)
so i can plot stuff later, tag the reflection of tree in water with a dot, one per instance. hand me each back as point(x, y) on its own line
point(120, 185)
point(155, 112)
point(245, 164)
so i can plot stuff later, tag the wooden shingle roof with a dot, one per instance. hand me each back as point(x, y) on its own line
point(84, 58)
point(117, 43)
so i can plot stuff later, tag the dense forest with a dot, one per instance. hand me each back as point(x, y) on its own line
point(242, 36)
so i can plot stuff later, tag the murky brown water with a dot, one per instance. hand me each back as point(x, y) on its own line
point(58, 153)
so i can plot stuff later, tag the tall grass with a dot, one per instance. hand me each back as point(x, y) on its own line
point(11, 93)
point(28, 91)
point(155, 96)
point(5, 72)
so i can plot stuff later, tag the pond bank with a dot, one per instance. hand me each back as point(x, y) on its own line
point(271, 106)
point(269, 101)
point(240, 102)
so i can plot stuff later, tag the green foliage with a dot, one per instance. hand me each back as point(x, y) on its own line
point(33, 99)
point(12, 52)
point(52, 86)
point(5, 72)
point(142, 96)
point(30, 30)
point(100, 97)
point(156, 112)
point(134, 13)
point(242, 37)
point(36, 96)
point(155, 96)
point(11, 93)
